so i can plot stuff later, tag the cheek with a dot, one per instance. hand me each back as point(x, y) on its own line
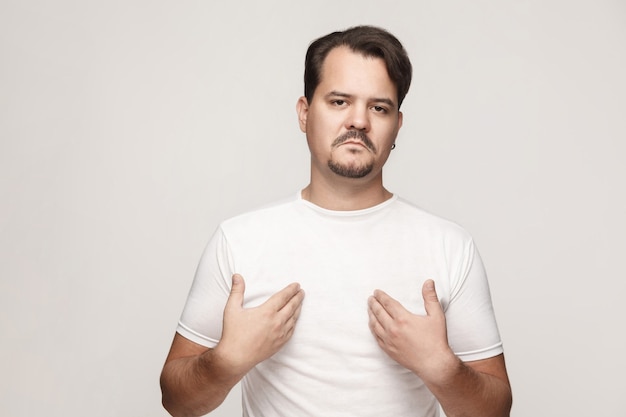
point(391, 132)
point(315, 136)
point(321, 130)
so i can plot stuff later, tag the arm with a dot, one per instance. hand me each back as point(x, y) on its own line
point(420, 343)
point(195, 380)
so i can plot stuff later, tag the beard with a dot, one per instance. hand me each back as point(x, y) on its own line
point(352, 170)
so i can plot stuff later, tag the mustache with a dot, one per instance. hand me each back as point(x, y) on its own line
point(355, 134)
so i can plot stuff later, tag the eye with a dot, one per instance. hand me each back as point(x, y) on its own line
point(379, 109)
point(338, 102)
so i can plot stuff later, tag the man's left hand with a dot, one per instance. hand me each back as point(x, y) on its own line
point(419, 343)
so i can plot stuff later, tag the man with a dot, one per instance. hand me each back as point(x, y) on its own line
point(348, 349)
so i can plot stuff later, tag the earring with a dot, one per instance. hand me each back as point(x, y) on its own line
point(393, 146)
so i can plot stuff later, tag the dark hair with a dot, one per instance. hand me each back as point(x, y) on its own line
point(371, 42)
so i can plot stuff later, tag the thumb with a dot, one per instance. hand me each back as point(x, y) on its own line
point(431, 301)
point(237, 290)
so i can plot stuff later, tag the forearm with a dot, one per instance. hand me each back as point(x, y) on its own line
point(465, 392)
point(196, 385)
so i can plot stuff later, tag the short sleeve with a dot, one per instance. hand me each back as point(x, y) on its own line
point(201, 319)
point(472, 329)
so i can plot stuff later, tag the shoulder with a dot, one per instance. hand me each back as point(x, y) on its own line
point(264, 215)
point(415, 216)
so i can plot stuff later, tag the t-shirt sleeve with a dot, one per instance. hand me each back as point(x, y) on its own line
point(201, 319)
point(472, 329)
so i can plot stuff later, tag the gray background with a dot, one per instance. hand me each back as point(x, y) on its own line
point(129, 129)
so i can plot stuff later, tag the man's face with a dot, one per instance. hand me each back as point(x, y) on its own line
point(353, 118)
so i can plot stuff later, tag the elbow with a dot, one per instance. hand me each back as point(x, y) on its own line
point(169, 403)
point(175, 409)
point(179, 404)
point(505, 403)
point(167, 406)
point(508, 404)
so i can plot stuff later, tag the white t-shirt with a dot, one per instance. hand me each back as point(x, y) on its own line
point(332, 366)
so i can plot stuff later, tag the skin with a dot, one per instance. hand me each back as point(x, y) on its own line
point(355, 95)
point(196, 380)
point(420, 344)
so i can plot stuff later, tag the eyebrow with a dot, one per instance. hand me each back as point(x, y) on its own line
point(384, 100)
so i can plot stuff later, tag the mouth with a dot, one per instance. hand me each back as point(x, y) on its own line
point(354, 142)
point(353, 137)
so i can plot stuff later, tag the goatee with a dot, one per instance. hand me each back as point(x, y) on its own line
point(352, 171)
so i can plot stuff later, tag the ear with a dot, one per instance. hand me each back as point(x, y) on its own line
point(398, 127)
point(302, 108)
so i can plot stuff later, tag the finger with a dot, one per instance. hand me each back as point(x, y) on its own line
point(391, 305)
point(282, 297)
point(378, 313)
point(298, 305)
point(431, 301)
point(378, 334)
point(375, 327)
point(237, 290)
point(290, 331)
point(290, 323)
point(292, 320)
point(293, 307)
point(373, 320)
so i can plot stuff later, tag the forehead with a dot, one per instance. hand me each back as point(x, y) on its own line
point(352, 72)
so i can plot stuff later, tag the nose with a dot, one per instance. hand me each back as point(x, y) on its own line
point(358, 118)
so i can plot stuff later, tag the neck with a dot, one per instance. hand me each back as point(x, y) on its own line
point(346, 194)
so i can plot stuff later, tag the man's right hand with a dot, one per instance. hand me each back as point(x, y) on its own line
point(251, 335)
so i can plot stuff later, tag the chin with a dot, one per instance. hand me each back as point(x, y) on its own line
point(350, 170)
